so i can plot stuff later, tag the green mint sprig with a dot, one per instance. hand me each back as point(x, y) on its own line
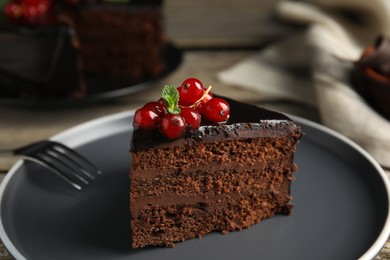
point(170, 96)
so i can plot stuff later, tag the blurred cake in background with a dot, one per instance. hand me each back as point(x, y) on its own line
point(65, 48)
point(39, 62)
point(372, 75)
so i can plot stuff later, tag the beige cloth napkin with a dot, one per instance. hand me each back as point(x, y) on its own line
point(311, 67)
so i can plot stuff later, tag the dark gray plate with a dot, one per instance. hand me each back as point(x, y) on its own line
point(341, 198)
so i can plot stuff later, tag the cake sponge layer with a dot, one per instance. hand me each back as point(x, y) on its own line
point(165, 225)
point(207, 156)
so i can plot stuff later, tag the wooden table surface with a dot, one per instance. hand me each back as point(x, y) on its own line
point(208, 47)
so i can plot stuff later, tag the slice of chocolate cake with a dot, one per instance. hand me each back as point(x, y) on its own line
point(76, 49)
point(221, 177)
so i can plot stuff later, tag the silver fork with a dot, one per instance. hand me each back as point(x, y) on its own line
point(68, 164)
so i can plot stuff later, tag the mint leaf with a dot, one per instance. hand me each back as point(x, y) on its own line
point(170, 96)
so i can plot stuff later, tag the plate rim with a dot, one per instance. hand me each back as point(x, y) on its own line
point(374, 249)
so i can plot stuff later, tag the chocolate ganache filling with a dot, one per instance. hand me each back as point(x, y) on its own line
point(245, 121)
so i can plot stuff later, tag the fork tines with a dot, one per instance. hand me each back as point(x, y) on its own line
point(65, 162)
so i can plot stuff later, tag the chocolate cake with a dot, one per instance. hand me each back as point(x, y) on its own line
point(79, 47)
point(38, 62)
point(372, 75)
point(120, 40)
point(221, 177)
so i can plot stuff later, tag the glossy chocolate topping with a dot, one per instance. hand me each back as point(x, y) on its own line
point(245, 121)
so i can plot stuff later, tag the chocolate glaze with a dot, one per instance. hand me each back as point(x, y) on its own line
point(245, 121)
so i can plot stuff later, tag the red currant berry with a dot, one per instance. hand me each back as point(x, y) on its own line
point(44, 7)
point(216, 110)
point(156, 107)
point(205, 99)
point(145, 118)
point(31, 15)
point(30, 2)
point(12, 10)
point(191, 90)
point(191, 118)
point(172, 126)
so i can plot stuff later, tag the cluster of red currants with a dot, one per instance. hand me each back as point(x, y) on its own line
point(182, 109)
point(30, 12)
point(33, 12)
